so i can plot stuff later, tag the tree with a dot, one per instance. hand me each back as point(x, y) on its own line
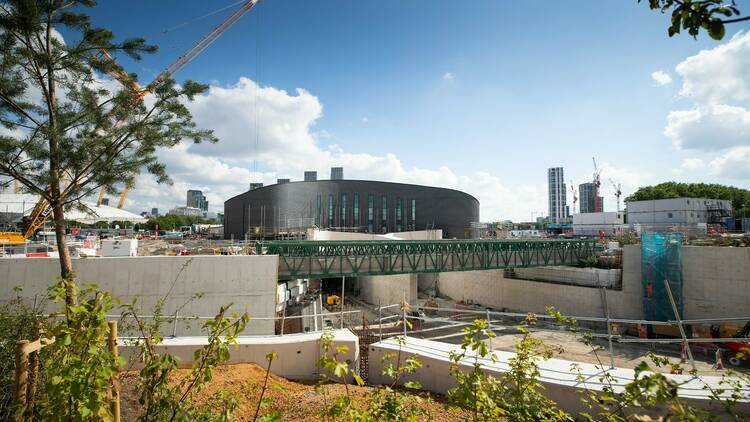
point(67, 134)
point(694, 15)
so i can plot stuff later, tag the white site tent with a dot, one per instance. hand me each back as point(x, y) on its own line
point(14, 206)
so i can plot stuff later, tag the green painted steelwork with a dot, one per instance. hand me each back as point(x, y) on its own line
point(323, 259)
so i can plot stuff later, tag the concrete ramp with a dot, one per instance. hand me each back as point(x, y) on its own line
point(560, 381)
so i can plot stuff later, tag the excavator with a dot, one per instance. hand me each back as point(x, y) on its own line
point(42, 211)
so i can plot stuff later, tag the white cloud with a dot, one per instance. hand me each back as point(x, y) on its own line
point(365, 119)
point(275, 129)
point(448, 76)
point(718, 82)
point(720, 74)
point(254, 122)
point(692, 164)
point(734, 164)
point(661, 78)
point(707, 128)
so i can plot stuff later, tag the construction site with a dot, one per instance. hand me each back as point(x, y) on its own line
point(387, 267)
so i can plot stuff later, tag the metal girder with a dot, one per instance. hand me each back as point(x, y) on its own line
point(324, 259)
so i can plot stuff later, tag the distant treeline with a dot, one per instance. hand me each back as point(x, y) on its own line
point(172, 222)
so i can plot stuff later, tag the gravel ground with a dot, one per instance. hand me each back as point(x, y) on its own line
point(296, 401)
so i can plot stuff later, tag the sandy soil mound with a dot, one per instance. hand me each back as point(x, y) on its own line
point(296, 401)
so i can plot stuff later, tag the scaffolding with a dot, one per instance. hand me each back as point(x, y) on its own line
point(661, 260)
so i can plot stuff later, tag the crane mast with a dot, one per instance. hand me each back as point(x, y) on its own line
point(618, 192)
point(597, 184)
point(575, 196)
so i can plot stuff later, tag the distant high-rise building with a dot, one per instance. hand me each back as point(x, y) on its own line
point(195, 199)
point(255, 185)
point(311, 176)
point(280, 181)
point(337, 173)
point(588, 198)
point(557, 202)
point(154, 212)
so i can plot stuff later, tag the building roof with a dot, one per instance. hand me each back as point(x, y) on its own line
point(24, 204)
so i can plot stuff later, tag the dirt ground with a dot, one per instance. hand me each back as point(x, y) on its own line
point(296, 401)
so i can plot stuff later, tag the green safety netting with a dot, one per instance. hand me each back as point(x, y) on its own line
point(661, 259)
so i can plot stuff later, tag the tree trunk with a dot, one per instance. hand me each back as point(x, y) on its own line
point(66, 265)
point(56, 173)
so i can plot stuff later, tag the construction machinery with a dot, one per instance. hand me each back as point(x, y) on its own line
point(333, 300)
point(42, 210)
point(618, 192)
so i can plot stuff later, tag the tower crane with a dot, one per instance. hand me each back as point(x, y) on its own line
point(618, 192)
point(42, 211)
point(173, 68)
point(575, 195)
point(597, 184)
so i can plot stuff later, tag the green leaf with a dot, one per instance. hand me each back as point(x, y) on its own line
point(414, 385)
point(360, 382)
point(716, 30)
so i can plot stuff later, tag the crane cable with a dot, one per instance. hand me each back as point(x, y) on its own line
point(255, 97)
point(191, 21)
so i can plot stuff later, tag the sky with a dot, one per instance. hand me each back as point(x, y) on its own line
point(481, 96)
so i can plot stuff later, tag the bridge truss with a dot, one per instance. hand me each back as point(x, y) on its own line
point(326, 259)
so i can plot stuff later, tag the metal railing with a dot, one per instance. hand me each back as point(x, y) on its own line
point(494, 324)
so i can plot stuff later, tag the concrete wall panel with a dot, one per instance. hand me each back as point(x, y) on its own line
point(297, 354)
point(247, 281)
point(716, 283)
point(388, 289)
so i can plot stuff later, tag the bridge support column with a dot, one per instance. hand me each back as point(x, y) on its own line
point(388, 289)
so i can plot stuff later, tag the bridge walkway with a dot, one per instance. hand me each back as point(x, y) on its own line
point(327, 259)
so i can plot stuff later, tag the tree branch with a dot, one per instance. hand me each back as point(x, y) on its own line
point(18, 108)
point(746, 18)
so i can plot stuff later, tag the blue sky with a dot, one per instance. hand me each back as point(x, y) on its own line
point(482, 93)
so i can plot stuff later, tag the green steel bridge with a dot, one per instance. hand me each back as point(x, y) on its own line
point(325, 259)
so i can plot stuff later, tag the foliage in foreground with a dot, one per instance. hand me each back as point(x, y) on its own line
point(78, 371)
point(696, 15)
point(651, 391)
point(18, 321)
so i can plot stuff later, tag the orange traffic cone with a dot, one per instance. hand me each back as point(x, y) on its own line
point(719, 364)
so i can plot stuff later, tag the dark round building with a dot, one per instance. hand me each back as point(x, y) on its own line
point(350, 205)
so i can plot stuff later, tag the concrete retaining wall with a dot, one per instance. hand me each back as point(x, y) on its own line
point(297, 354)
point(716, 283)
point(387, 289)
point(591, 277)
point(249, 282)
